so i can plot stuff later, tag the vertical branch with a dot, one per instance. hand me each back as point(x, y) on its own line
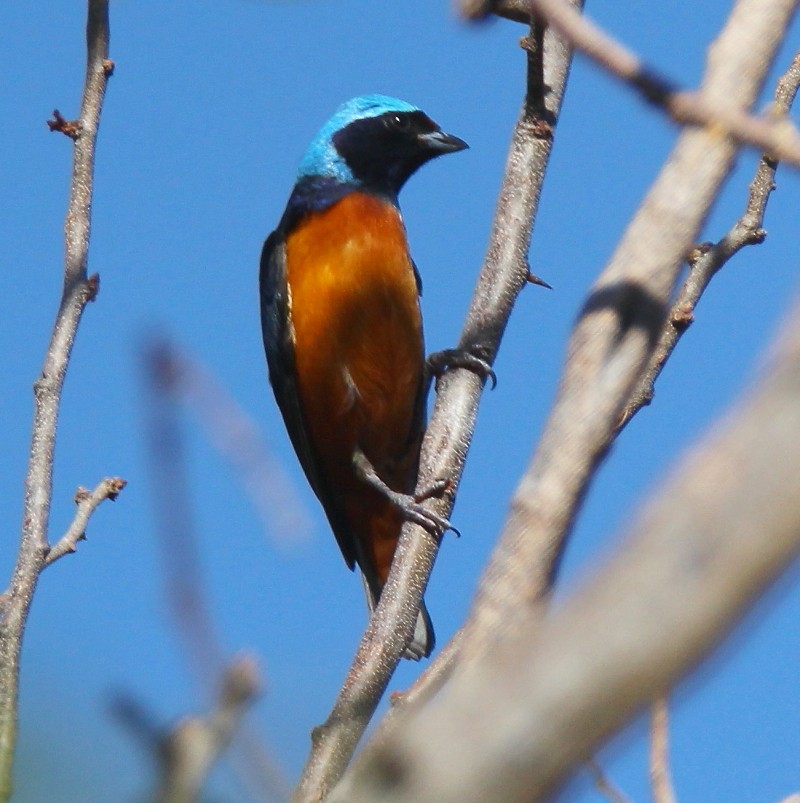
point(77, 292)
point(503, 275)
point(660, 782)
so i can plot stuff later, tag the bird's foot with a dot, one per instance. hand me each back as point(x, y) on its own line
point(440, 361)
point(408, 504)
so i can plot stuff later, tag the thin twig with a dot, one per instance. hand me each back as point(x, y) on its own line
point(660, 781)
point(603, 784)
point(88, 502)
point(773, 133)
point(705, 262)
point(449, 432)
point(190, 750)
point(78, 290)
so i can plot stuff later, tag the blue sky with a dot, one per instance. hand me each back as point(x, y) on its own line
point(207, 115)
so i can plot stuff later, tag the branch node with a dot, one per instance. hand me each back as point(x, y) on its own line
point(92, 287)
point(70, 128)
point(108, 66)
point(682, 317)
point(698, 252)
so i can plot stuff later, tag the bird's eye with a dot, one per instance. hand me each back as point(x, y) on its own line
point(398, 122)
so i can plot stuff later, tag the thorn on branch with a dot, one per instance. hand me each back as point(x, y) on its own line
point(532, 278)
point(71, 128)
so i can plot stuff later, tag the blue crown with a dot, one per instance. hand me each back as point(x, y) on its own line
point(322, 158)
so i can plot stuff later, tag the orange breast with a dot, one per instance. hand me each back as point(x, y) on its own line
point(359, 352)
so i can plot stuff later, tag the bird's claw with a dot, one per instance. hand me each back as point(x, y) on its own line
point(440, 361)
point(407, 504)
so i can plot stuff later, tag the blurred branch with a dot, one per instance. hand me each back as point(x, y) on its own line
point(699, 553)
point(614, 338)
point(477, 10)
point(660, 781)
point(603, 785)
point(78, 290)
point(503, 275)
point(168, 376)
point(705, 261)
point(190, 750)
point(773, 133)
point(240, 441)
point(87, 502)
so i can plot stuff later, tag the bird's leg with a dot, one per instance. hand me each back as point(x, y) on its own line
point(440, 361)
point(407, 504)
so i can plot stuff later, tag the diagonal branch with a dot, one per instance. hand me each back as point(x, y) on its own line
point(87, 502)
point(78, 290)
point(773, 133)
point(705, 262)
point(503, 275)
point(697, 555)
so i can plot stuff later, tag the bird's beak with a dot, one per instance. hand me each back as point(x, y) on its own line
point(439, 142)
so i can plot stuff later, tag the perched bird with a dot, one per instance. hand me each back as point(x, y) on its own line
point(343, 331)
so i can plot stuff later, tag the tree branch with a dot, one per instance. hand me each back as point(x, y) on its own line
point(190, 750)
point(78, 291)
point(660, 781)
point(614, 338)
point(603, 785)
point(705, 261)
point(699, 553)
point(87, 503)
point(503, 275)
point(774, 133)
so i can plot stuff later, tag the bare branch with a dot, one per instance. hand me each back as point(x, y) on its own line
point(773, 133)
point(449, 432)
point(87, 502)
point(78, 290)
point(660, 781)
point(706, 261)
point(603, 785)
point(195, 744)
point(614, 338)
point(239, 441)
point(698, 555)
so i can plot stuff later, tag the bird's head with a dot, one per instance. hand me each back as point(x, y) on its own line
point(375, 142)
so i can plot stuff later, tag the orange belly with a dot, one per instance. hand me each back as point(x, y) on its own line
point(359, 358)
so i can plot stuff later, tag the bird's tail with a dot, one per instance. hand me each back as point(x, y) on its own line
point(424, 639)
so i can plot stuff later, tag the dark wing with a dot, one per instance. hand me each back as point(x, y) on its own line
point(279, 347)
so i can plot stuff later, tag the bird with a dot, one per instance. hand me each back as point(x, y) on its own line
point(343, 335)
